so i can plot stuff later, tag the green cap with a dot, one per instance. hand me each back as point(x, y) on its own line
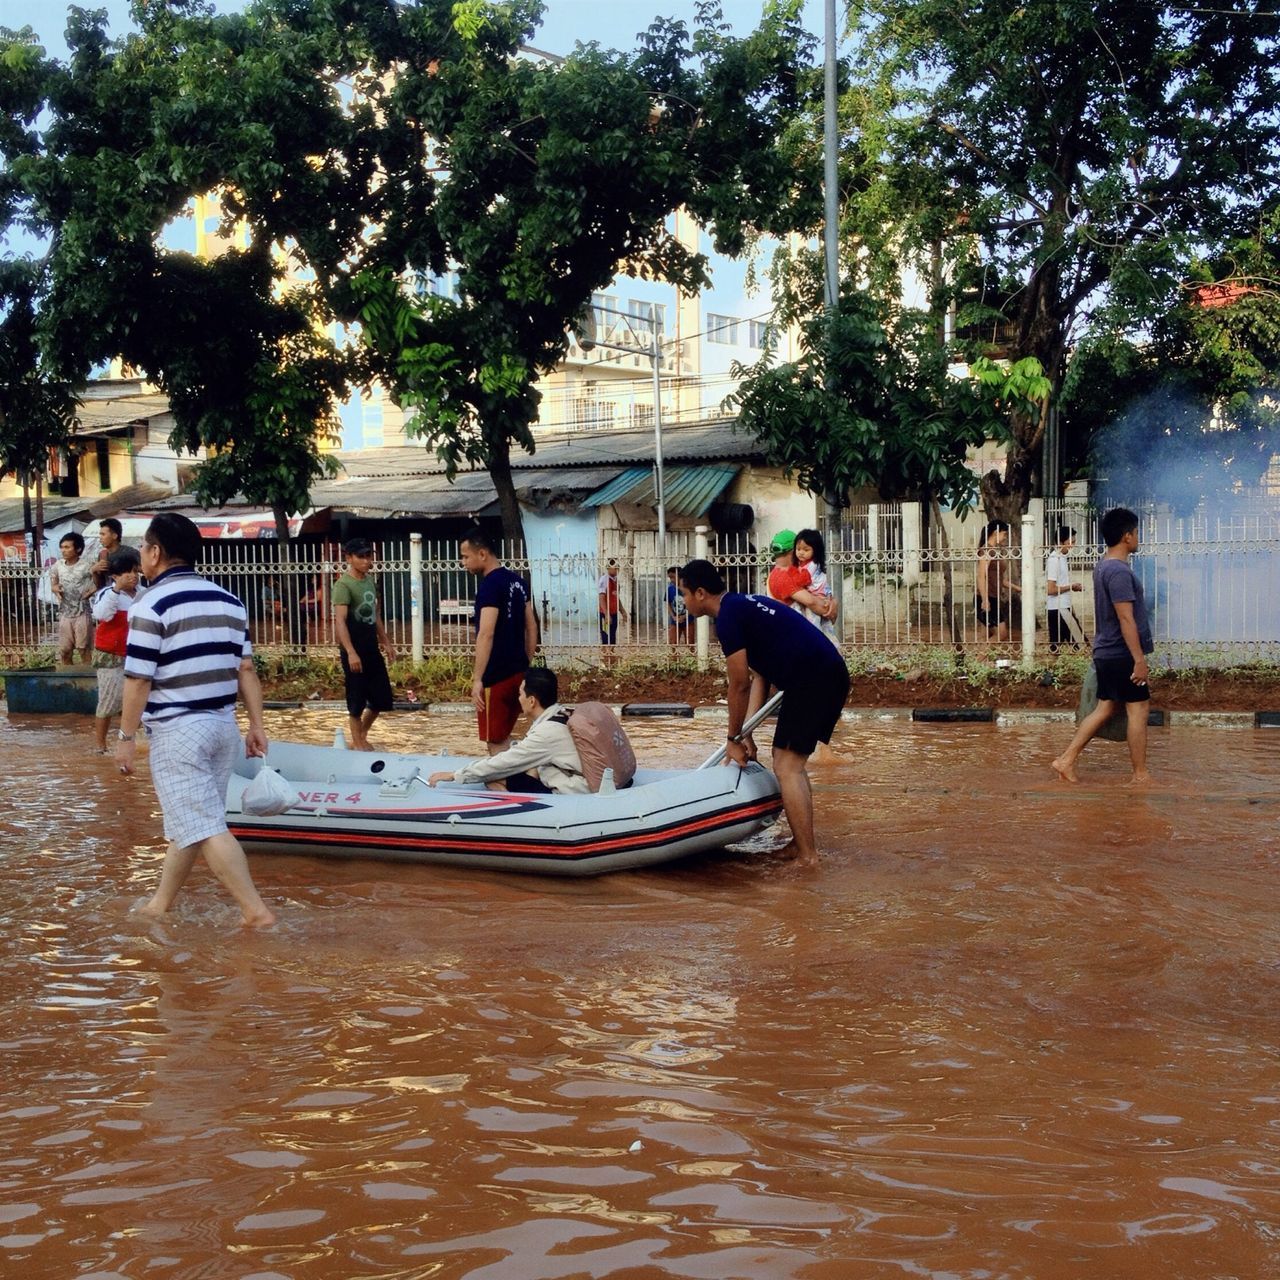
point(784, 540)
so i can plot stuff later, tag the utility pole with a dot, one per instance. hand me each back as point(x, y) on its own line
point(587, 339)
point(830, 148)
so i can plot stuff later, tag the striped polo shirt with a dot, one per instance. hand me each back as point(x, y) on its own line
point(188, 636)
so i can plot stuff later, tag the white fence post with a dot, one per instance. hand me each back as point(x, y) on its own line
point(702, 628)
point(912, 542)
point(415, 594)
point(1029, 552)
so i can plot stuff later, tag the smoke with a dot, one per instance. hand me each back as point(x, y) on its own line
point(1170, 448)
point(1210, 555)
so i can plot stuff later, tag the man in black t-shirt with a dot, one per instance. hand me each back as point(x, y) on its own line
point(767, 643)
point(506, 640)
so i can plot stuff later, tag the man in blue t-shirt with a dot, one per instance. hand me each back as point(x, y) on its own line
point(1121, 642)
point(506, 640)
point(767, 643)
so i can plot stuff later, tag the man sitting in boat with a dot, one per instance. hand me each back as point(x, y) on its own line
point(544, 761)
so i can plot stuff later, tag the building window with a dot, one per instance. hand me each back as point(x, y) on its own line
point(645, 313)
point(104, 464)
point(371, 422)
point(759, 337)
point(722, 329)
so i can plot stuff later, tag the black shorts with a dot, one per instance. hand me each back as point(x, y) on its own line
point(528, 784)
point(1115, 681)
point(369, 688)
point(1001, 612)
point(1060, 628)
point(811, 710)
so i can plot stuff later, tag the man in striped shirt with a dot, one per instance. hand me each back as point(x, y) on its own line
point(188, 656)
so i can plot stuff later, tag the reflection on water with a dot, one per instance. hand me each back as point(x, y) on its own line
point(1009, 1029)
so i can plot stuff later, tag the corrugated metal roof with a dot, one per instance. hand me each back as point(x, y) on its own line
point(471, 493)
point(703, 442)
point(57, 508)
point(98, 416)
point(687, 491)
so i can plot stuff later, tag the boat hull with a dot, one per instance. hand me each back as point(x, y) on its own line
point(377, 805)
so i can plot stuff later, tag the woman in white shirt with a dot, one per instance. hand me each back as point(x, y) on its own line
point(1058, 585)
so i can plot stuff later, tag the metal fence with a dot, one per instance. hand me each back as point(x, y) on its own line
point(1213, 588)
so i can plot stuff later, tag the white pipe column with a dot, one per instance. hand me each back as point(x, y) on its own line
point(1028, 550)
point(415, 594)
point(830, 174)
point(702, 627)
point(660, 486)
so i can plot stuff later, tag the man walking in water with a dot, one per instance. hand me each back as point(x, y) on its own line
point(767, 643)
point(188, 654)
point(1121, 642)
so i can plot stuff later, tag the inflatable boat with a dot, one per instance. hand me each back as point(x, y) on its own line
point(370, 804)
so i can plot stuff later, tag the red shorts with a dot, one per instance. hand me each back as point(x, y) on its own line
point(501, 709)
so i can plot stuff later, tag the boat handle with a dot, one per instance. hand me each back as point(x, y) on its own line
point(763, 714)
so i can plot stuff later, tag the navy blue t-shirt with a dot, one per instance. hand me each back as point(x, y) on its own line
point(782, 645)
point(502, 590)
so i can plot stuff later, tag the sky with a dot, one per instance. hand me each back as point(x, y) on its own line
point(613, 23)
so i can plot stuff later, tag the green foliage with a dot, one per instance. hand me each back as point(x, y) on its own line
point(132, 130)
point(1055, 164)
point(379, 146)
point(1192, 412)
point(36, 410)
point(43, 658)
point(870, 404)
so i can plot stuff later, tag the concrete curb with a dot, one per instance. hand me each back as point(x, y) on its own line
point(1003, 715)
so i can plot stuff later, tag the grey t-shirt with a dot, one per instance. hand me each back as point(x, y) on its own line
point(1114, 581)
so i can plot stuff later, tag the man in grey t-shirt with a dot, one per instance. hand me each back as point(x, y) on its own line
point(1121, 643)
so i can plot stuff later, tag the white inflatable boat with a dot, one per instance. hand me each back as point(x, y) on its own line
point(369, 804)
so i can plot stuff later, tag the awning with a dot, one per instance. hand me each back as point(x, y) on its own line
point(688, 491)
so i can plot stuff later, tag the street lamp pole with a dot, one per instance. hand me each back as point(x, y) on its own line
point(659, 487)
point(586, 340)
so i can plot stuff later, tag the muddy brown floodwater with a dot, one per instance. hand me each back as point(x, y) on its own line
point(1009, 1029)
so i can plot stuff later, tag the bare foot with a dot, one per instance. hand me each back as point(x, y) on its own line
point(1142, 779)
point(792, 853)
point(263, 919)
point(1067, 772)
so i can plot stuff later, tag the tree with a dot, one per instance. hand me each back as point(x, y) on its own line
point(121, 151)
point(534, 182)
point(36, 410)
point(1073, 156)
point(1192, 414)
point(891, 417)
point(37, 407)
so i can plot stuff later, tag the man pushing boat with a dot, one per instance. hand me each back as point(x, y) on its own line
point(766, 643)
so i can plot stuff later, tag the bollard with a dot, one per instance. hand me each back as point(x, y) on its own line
point(702, 627)
point(1028, 551)
point(415, 595)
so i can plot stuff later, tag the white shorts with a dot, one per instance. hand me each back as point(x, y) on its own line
point(110, 692)
point(191, 763)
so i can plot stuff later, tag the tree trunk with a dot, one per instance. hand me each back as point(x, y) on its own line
point(505, 485)
point(1040, 335)
point(948, 579)
point(28, 527)
point(294, 627)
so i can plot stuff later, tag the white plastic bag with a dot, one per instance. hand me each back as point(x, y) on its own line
point(267, 795)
